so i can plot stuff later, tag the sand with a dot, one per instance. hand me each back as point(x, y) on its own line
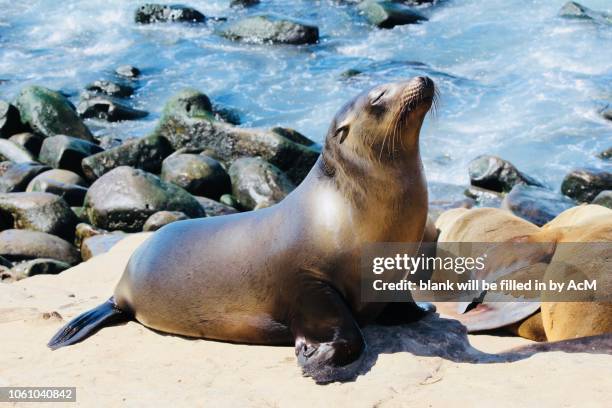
point(129, 365)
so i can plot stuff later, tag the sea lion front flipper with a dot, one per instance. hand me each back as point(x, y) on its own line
point(328, 341)
point(404, 312)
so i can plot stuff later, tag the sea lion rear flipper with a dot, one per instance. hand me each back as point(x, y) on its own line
point(88, 323)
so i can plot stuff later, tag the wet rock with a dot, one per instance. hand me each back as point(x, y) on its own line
point(17, 245)
point(108, 109)
point(84, 231)
point(10, 120)
point(16, 177)
point(160, 13)
point(161, 218)
point(128, 71)
point(604, 198)
point(243, 3)
point(41, 266)
point(607, 113)
point(66, 184)
point(38, 212)
point(49, 113)
point(496, 174)
point(484, 197)
point(584, 184)
point(197, 130)
point(124, 198)
point(13, 152)
point(29, 141)
point(350, 73)
point(146, 153)
point(227, 115)
point(198, 174)
point(535, 204)
point(100, 244)
point(257, 183)
point(606, 154)
point(79, 212)
point(271, 29)
point(110, 88)
point(110, 141)
point(215, 208)
point(293, 135)
point(574, 10)
point(230, 201)
point(65, 152)
point(387, 14)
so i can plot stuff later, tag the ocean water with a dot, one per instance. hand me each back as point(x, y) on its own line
point(515, 80)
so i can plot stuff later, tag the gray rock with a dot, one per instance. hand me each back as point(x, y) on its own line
point(10, 121)
point(387, 14)
point(66, 184)
point(604, 198)
point(574, 10)
point(29, 141)
point(271, 29)
point(215, 208)
point(293, 135)
point(124, 198)
point(606, 154)
point(49, 113)
point(108, 109)
point(17, 245)
point(198, 174)
point(585, 183)
point(100, 244)
point(226, 114)
point(65, 152)
point(484, 197)
point(536, 204)
point(243, 3)
point(146, 153)
point(16, 177)
point(41, 266)
point(128, 71)
point(110, 88)
point(161, 218)
point(496, 174)
point(257, 183)
point(230, 201)
point(13, 152)
point(38, 212)
point(161, 13)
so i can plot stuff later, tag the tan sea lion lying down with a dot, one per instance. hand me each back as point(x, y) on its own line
point(553, 320)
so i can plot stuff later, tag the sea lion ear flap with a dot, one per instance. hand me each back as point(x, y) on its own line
point(342, 132)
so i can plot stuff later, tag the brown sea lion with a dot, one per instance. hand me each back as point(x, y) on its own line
point(289, 274)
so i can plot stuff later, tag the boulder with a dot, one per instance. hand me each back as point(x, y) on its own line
point(13, 152)
point(271, 29)
point(110, 88)
point(16, 177)
point(535, 204)
point(99, 244)
point(257, 183)
point(574, 10)
point(161, 13)
point(388, 14)
point(198, 174)
point(293, 135)
point(49, 113)
point(146, 153)
point(124, 198)
point(606, 154)
point(29, 141)
point(17, 245)
point(65, 152)
point(41, 266)
point(585, 183)
point(66, 184)
point(215, 208)
point(496, 174)
point(10, 120)
point(484, 197)
point(230, 201)
point(161, 218)
point(604, 199)
point(127, 71)
point(108, 109)
point(38, 212)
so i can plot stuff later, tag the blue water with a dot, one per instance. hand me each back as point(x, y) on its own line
point(515, 80)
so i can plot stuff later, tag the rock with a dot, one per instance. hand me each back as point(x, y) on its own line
point(230, 201)
point(49, 113)
point(100, 244)
point(198, 174)
point(191, 103)
point(227, 115)
point(108, 109)
point(17, 176)
point(161, 218)
point(257, 183)
point(574, 10)
point(146, 153)
point(215, 208)
point(79, 212)
point(271, 29)
point(197, 130)
point(110, 88)
point(110, 141)
point(350, 73)
point(29, 141)
point(387, 14)
point(160, 13)
point(293, 135)
point(484, 198)
point(243, 3)
point(6, 275)
point(38, 212)
point(65, 152)
point(585, 183)
point(604, 198)
point(10, 120)
point(13, 152)
point(607, 113)
point(606, 154)
point(66, 184)
point(41, 266)
point(128, 71)
point(496, 174)
point(84, 231)
point(19, 245)
point(124, 198)
point(535, 204)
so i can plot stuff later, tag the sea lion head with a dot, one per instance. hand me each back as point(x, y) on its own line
point(379, 126)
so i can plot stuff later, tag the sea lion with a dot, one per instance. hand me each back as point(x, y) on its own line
point(289, 274)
